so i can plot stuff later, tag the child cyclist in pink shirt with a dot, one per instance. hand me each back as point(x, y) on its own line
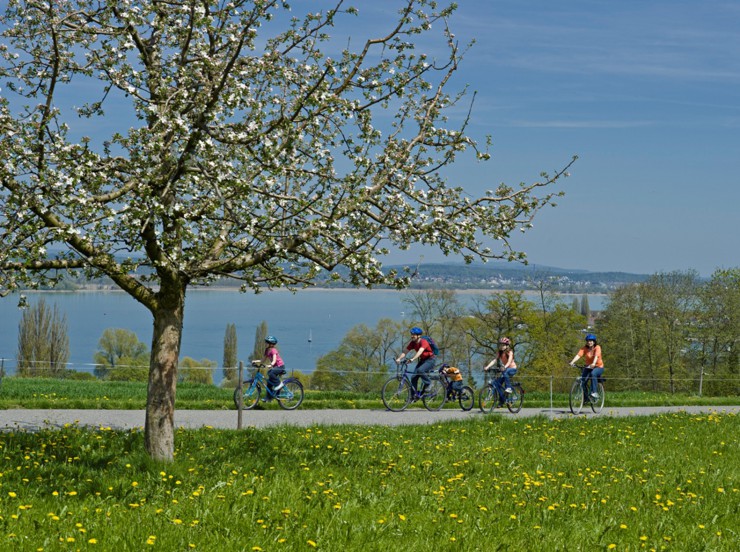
point(276, 366)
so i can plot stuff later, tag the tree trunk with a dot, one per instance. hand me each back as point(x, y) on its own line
point(159, 429)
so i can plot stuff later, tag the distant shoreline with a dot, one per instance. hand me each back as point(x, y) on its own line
point(222, 289)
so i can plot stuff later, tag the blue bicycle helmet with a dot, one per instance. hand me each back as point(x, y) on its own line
point(416, 331)
point(271, 339)
point(591, 337)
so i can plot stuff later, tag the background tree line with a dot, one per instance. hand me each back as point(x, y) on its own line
point(673, 332)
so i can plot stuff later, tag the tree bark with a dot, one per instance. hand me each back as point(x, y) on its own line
point(159, 430)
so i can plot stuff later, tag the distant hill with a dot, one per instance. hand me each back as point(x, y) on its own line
point(513, 276)
point(517, 276)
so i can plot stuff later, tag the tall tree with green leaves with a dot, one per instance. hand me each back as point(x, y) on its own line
point(717, 333)
point(43, 342)
point(230, 353)
point(197, 371)
point(120, 351)
point(436, 310)
point(361, 361)
point(257, 147)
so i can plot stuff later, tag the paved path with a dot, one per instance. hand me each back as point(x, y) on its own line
point(30, 420)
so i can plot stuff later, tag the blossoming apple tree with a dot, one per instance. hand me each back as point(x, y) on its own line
point(170, 144)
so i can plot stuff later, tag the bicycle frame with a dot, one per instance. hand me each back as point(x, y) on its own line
point(580, 393)
point(289, 397)
point(493, 395)
point(398, 391)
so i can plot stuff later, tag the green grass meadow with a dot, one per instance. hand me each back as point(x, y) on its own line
point(668, 482)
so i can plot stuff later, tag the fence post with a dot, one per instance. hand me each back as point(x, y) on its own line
point(701, 379)
point(551, 376)
point(240, 404)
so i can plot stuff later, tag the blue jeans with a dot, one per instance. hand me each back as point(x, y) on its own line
point(593, 374)
point(273, 376)
point(422, 371)
point(503, 381)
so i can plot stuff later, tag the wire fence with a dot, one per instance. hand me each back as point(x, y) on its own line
point(701, 384)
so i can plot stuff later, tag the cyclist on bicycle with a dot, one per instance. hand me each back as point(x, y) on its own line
point(505, 359)
point(276, 366)
point(425, 357)
point(594, 367)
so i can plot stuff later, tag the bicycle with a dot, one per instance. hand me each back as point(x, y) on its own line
point(398, 392)
point(580, 392)
point(493, 396)
point(465, 396)
point(289, 396)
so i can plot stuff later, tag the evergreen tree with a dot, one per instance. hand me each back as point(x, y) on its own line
point(230, 353)
point(585, 308)
point(259, 341)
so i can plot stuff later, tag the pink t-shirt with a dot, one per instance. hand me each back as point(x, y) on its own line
point(271, 352)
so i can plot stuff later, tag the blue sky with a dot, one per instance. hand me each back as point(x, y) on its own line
point(646, 93)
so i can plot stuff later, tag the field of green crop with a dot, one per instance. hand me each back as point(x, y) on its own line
point(668, 482)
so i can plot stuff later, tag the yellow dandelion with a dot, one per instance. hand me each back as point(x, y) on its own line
point(401, 517)
point(312, 544)
point(512, 516)
point(612, 546)
point(623, 526)
point(92, 541)
point(643, 538)
point(720, 490)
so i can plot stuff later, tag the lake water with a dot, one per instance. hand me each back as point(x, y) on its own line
point(321, 316)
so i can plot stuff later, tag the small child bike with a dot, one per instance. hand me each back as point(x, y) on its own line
point(456, 391)
point(289, 396)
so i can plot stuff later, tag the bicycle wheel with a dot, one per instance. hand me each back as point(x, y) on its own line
point(487, 399)
point(466, 398)
point(514, 400)
point(396, 394)
point(435, 396)
point(290, 396)
point(250, 394)
point(598, 403)
point(576, 397)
